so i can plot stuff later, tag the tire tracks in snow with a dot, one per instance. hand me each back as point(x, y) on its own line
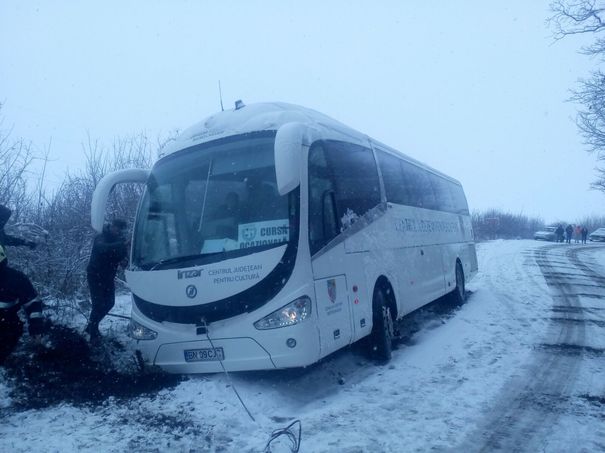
point(530, 404)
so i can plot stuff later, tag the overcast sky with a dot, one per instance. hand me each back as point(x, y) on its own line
point(475, 89)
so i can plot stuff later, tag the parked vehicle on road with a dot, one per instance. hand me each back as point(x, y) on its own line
point(597, 235)
point(547, 234)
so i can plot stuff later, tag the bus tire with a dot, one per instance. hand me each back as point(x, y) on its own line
point(381, 338)
point(458, 295)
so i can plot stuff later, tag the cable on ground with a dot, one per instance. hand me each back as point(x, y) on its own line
point(205, 326)
point(294, 436)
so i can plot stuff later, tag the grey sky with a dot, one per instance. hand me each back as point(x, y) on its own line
point(477, 91)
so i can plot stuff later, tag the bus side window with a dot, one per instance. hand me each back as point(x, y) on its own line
point(392, 176)
point(443, 194)
point(330, 219)
point(343, 184)
point(323, 223)
point(460, 203)
point(355, 179)
point(419, 186)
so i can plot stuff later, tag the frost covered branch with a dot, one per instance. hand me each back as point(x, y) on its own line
point(578, 17)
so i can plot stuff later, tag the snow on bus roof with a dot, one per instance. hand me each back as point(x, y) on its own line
point(255, 117)
point(265, 116)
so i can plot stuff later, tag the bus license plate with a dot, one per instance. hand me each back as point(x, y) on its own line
point(204, 355)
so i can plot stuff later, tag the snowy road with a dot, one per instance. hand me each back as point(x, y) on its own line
point(537, 408)
point(519, 367)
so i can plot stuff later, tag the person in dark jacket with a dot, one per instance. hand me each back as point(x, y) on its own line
point(584, 234)
point(560, 232)
point(16, 292)
point(109, 249)
point(568, 233)
point(6, 239)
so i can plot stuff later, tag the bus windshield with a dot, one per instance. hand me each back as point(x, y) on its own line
point(214, 199)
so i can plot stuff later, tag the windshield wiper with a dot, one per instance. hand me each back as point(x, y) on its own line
point(177, 259)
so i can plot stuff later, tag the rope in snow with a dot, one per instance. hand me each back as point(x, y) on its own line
point(289, 433)
point(293, 437)
point(227, 374)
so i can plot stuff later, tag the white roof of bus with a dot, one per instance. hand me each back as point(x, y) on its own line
point(254, 117)
point(270, 116)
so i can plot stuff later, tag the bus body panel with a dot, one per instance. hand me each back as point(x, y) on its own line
point(333, 313)
point(404, 239)
point(245, 348)
point(332, 300)
point(360, 286)
point(211, 282)
point(242, 354)
point(413, 248)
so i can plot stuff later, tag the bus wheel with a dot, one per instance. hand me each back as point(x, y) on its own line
point(381, 338)
point(458, 296)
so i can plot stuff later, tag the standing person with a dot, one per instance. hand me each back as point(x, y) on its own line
point(16, 291)
point(559, 232)
point(578, 233)
point(6, 239)
point(584, 234)
point(568, 233)
point(109, 249)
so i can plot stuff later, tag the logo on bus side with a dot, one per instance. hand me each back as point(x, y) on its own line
point(189, 274)
point(332, 290)
point(191, 291)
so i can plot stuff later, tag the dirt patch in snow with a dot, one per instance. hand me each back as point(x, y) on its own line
point(67, 370)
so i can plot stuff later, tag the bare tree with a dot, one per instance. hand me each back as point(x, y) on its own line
point(67, 218)
point(572, 17)
point(498, 224)
point(58, 266)
point(16, 157)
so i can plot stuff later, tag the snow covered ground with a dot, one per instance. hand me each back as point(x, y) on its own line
point(520, 366)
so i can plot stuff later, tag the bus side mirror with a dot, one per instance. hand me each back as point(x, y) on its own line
point(104, 188)
point(289, 141)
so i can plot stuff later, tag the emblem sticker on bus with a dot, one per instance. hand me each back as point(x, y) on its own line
point(332, 290)
point(263, 233)
point(248, 232)
point(191, 291)
point(332, 305)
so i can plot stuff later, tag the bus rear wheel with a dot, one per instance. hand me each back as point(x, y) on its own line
point(381, 338)
point(458, 296)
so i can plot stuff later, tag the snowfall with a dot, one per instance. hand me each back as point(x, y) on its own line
point(520, 366)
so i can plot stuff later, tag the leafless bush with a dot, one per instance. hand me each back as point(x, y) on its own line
point(16, 157)
point(58, 265)
point(591, 222)
point(497, 224)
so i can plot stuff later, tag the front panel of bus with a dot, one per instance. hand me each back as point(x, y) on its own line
point(214, 271)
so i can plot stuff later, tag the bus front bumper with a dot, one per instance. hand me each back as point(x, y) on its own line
point(203, 356)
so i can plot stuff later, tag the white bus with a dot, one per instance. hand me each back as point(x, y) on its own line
point(271, 235)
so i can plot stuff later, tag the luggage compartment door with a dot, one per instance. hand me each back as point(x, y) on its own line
point(334, 313)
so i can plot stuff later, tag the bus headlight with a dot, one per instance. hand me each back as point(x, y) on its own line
point(138, 331)
point(293, 313)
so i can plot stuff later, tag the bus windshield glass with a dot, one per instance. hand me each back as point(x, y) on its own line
point(214, 199)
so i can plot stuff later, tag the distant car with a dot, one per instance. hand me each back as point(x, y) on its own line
point(547, 234)
point(597, 235)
